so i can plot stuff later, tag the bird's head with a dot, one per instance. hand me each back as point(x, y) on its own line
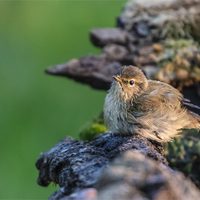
point(130, 82)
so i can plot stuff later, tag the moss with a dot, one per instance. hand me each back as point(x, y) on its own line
point(178, 62)
point(179, 43)
point(184, 154)
point(92, 129)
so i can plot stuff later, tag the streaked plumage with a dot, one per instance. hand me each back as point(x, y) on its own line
point(149, 108)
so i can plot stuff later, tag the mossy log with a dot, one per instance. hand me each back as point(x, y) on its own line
point(85, 169)
point(76, 165)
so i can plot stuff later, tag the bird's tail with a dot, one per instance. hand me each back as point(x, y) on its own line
point(194, 120)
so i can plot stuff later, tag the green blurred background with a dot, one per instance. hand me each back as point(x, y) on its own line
point(37, 110)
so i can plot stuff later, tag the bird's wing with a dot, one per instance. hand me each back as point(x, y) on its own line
point(161, 101)
point(160, 111)
point(160, 97)
point(156, 112)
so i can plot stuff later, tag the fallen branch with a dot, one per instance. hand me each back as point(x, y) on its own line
point(77, 165)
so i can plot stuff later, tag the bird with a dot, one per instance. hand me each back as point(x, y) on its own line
point(156, 110)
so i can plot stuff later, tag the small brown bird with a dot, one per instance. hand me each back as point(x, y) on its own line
point(155, 110)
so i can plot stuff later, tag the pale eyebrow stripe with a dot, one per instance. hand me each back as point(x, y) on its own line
point(126, 79)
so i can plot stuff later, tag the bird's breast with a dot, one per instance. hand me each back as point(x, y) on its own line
point(114, 113)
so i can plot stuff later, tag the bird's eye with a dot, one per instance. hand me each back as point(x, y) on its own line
point(131, 82)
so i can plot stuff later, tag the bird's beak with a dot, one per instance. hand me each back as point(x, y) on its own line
point(117, 79)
